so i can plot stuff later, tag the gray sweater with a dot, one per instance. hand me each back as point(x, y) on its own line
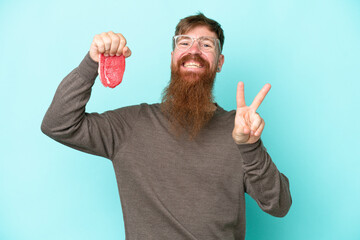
point(170, 188)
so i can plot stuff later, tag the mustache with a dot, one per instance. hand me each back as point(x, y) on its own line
point(195, 57)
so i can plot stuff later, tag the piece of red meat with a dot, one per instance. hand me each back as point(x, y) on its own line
point(111, 70)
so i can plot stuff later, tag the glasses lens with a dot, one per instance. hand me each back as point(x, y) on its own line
point(183, 42)
point(207, 44)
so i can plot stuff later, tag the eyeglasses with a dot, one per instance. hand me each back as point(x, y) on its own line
point(206, 44)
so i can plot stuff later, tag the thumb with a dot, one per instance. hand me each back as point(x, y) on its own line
point(126, 52)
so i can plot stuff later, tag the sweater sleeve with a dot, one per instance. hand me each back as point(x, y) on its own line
point(263, 182)
point(67, 122)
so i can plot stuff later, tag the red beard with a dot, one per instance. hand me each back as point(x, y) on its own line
point(187, 100)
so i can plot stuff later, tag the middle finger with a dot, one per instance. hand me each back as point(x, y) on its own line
point(115, 41)
point(107, 42)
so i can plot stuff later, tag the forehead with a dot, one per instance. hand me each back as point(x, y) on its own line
point(200, 31)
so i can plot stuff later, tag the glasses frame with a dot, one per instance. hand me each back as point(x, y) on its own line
point(193, 39)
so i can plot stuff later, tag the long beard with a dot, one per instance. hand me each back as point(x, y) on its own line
point(188, 100)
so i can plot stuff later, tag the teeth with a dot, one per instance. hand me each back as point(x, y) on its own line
point(192, 65)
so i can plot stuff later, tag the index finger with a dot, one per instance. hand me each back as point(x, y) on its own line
point(240, 98)
point(260, 96)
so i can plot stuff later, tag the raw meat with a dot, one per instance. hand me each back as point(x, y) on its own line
point(111, 70)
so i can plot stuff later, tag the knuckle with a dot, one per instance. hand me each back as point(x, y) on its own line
point(104, 35)
point(116, 40)
point(100, 44)
point(107, 41)
point(123, 41)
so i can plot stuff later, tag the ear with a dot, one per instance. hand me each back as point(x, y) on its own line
point(220, 62)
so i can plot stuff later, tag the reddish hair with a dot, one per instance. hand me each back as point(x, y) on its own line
point(188, 23)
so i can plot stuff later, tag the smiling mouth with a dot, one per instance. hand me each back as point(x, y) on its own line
point(192, 65)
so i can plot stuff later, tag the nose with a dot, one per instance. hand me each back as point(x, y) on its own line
point(195, 48)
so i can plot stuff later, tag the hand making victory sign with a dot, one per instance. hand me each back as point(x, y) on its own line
point(248, 123)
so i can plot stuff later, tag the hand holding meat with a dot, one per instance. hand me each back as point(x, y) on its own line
point(248, 123)
point(109, 44)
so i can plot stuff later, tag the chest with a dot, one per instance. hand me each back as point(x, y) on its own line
point(199, 179)
point(209, 162)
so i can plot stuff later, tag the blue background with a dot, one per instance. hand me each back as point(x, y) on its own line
point(308, 50)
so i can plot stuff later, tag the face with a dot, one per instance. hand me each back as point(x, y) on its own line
point(214, 59)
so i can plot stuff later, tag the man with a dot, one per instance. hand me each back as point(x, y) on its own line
point(182, 166)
